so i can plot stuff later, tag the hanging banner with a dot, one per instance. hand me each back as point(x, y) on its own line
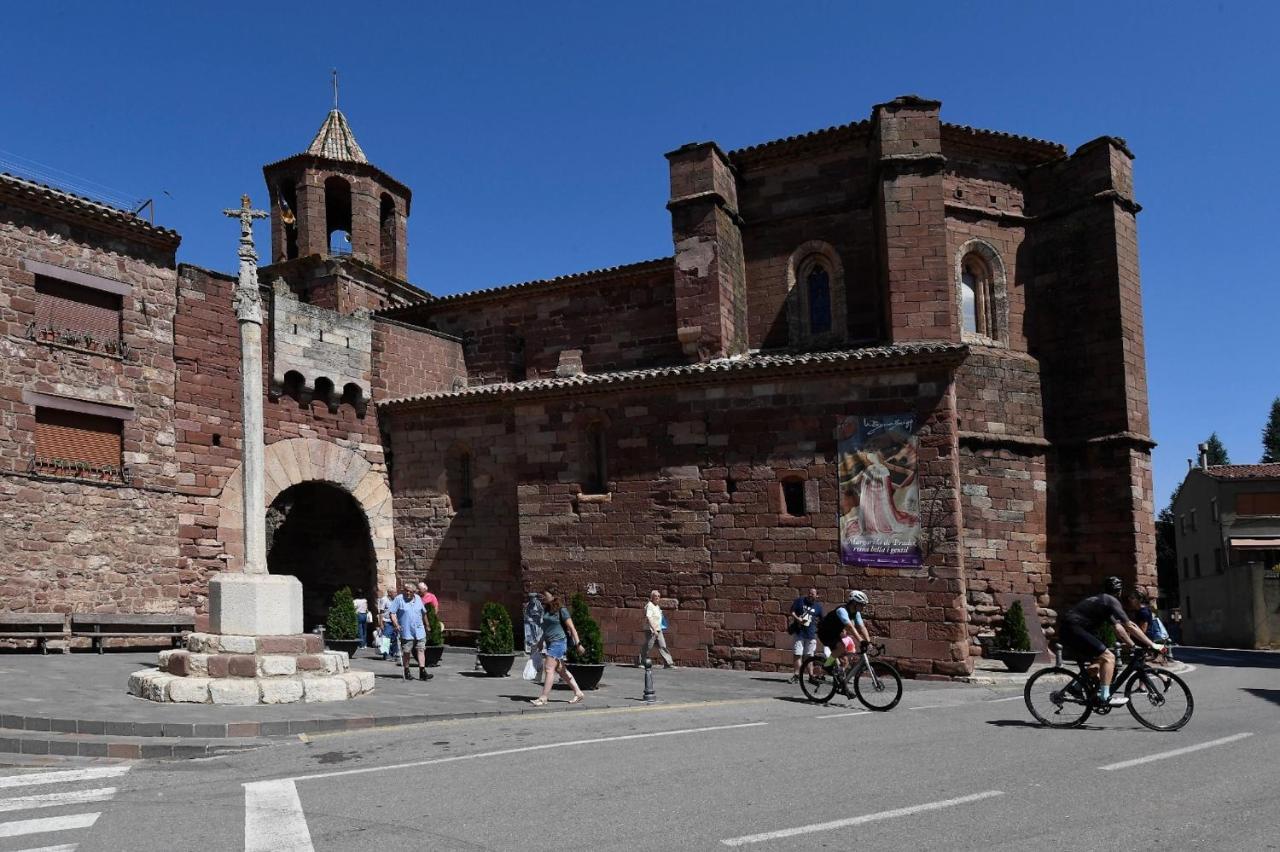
point(879, 491)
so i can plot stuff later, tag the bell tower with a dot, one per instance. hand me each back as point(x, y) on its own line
point(329, 201)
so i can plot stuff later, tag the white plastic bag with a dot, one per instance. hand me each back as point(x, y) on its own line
point(530, 670)
point(384, 645)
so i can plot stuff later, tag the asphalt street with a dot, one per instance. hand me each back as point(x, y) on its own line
point(957, 767)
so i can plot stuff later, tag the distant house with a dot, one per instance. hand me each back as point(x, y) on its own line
point(1228, 540)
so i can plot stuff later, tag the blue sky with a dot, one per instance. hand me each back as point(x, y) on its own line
point(532, 135)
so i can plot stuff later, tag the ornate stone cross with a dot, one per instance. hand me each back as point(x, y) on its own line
point(247, 301)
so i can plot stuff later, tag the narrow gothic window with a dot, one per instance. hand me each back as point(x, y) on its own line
point(818, 284)
point(793, 497)
point(969, 301)
point(597, 475)
point(464, 481)
point(387, 234)
point(337, 214)
point(977, 297)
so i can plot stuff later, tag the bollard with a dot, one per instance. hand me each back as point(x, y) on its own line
point(649, 694)
point(1057, 654)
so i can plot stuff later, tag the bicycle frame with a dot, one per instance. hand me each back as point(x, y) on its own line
point(1137, 666)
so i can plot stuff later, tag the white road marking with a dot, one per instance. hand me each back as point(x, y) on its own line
point(65, 847)
point(53, 800)
point(860, 820)
point(843, 715)
point(1125, 764)
point(274, 821)
point(934, 706)
point(62, 776)
point(40, 826)
point(998, 700)
point(273, 818)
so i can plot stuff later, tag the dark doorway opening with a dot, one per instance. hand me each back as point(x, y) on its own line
point(318, 533)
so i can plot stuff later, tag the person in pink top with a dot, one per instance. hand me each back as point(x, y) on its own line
point(428, 597)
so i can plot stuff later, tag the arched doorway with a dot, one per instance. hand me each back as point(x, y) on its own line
point(319, 533)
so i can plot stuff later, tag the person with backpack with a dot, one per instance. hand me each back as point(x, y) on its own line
point(1146, 619)
point(557, 629)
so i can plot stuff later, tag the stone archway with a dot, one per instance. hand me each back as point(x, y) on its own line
point(295, 461)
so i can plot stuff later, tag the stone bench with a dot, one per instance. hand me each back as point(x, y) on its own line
point(99, 627)
point(39, 627)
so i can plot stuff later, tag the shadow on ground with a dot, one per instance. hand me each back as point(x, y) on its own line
point(1272, 695)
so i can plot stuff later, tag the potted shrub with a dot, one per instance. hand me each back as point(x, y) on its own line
point(340, 625)
point(1012, 645)
point(435, 637)
point(587, 667)
point(496, 645)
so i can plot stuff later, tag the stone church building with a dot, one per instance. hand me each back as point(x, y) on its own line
point(674, 424)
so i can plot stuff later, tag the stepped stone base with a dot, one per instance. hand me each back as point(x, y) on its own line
point(228, 669)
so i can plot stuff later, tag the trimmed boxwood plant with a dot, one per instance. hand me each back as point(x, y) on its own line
point(1013, 635)
point(588, 633)
point(495, 630)
point(341, 624)
point(435, 627)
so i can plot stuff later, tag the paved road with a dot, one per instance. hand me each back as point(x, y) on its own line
point(954, 766)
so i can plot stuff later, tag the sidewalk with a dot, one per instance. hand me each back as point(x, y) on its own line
point(78, 704)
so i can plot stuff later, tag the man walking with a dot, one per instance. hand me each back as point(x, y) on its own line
point(428, 598)
point(654, 625)
point(406, 615)
point(387, 625)
point(802, 624)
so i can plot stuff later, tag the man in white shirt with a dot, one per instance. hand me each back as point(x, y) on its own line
point(362, 617)
point(388, 629)
point(654, 625)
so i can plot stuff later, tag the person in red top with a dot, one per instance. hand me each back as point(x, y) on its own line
point(428, 599)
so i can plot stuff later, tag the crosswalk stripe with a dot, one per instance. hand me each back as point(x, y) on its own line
point(62, 776)
point(40, 826)
point(53, 800)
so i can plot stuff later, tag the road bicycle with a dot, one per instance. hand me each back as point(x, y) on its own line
point(1061, 698)
point(876, 683)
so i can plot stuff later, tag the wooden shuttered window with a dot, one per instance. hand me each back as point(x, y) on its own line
point(83, 445)
point(1258, 503)
point(77, 316)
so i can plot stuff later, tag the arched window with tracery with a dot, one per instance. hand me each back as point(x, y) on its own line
point(815, 296)
point(981, 293)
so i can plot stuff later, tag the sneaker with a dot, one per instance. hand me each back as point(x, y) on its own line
point(423, 674)
point(1117, 701)
point(794, 679)
point(829, 663)
point(407, 676)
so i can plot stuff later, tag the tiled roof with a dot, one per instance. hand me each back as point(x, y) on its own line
point(1243, 471)
point(86, 207)
point(590, 275)
point(335, 140)
point(1049, 148)
point(799, 137)
point(738, 365)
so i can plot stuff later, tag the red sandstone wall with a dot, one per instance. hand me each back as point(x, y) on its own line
point(694, 510)
point(410, 361)
point(810, 194)
point(71, 545)
point(619, 322)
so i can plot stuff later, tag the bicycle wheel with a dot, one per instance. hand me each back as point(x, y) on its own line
point(1057, 698)
point(819, 689)
point(878, 685)
point(1159, 700)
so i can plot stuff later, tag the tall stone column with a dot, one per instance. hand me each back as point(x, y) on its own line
point(253, 603)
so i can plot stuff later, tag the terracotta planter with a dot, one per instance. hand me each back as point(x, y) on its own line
point(496, 665)
point(586, 674)
point(434, 653)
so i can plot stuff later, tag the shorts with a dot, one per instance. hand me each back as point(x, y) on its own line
point(557, 650)
point(805, 647)
point(1079, 643)
point(831, 640)
point(412, 644)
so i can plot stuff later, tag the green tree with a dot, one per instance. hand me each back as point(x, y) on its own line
point(1167, 549)
point(435, 627)
point(588, 633)
point(1215, 451)
point(1012, 635)
point(495, 630)
point(1271, 435)
point(341, 621)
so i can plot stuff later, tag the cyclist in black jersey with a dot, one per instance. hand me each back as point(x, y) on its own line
point(1077, 626)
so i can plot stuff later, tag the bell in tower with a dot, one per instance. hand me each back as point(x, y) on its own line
point(328, 201)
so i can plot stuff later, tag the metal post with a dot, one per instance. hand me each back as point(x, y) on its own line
point(1057, 654)
point(649, 695)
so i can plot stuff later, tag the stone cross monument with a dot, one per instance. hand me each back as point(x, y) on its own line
point(253, 603)
point(255, 651)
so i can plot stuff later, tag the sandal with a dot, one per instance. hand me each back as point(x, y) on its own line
point(538, 702)
point(578, 699)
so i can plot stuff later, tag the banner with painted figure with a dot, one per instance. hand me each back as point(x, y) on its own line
point(879, 491)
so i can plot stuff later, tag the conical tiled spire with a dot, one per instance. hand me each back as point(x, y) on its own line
point(336, 141)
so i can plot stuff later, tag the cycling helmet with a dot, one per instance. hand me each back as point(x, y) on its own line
point(1113, 586)
point(857, 597)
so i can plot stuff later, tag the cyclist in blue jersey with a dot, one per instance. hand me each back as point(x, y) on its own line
point(840, 621)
